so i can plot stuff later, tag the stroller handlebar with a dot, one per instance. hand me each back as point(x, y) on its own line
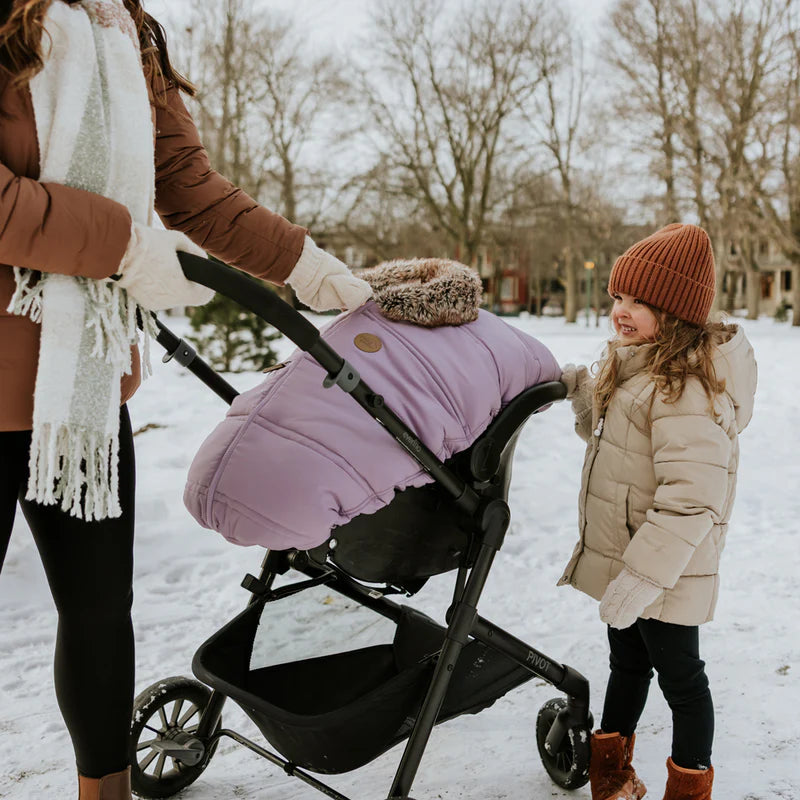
point(252, 296)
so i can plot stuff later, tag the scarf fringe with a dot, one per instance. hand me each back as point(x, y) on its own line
point(72, 465)
point(113, 316)
point(150, 332)
point(77, 467)
point(27, 298)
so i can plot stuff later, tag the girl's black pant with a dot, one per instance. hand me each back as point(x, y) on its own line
point(89, 566)
point(674, 652)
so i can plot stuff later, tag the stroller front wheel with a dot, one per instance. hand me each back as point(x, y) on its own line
point(569, 765)
point(165, 753)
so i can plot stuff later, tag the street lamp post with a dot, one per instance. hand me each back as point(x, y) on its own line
point(589, 267)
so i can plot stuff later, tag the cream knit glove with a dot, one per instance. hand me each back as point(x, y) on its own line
point(151, 273)
point(574, 378)
point(626, 597)
point(580, 387)
point(323, 282)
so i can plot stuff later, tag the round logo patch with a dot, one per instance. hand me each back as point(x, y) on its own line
point(368, 342)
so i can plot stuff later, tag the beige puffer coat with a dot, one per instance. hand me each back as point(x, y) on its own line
point(658, 484)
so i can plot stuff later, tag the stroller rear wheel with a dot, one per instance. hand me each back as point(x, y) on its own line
point(569, 766)
point(165, 753)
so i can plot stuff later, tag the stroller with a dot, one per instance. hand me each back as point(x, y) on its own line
point(355, 705)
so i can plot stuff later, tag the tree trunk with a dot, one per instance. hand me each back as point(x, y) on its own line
point(596, 295)
point(796, 295)
point(497, 281)
point(730, 295)
point(753, 291)
point(670, 200)
point(570, 289)
point(288, 190)
point(720, 258)
point(752, 277)
point(226, 87)
point(285, 292)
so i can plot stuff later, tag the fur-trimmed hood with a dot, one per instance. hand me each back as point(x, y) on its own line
point(425, 291)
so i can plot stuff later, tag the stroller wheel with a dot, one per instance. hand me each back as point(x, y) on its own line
point(165, 753)
point(569, 766)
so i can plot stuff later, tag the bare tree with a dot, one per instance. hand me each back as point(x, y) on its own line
point(538, 230)
point(641, 50)
point(266, 106)
point(300, 101)
point(745, 58)
point(775, 175)
point(689, 49)
point(705, 90)
point(383, 219)
point(556, 119)
point(266, 103)
point(217, 46)
point(789, 232)
point(441, 89)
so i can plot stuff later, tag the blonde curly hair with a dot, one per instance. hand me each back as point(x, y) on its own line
point(680, 350)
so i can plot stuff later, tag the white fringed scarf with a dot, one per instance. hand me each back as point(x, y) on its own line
point(95, 132)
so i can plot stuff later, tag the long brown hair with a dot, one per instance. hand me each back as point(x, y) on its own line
point(679, 351)
point(21, 42)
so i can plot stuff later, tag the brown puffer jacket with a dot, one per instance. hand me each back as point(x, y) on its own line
point(56, 228)
point(659, 480)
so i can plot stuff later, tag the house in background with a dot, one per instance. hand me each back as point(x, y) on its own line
point(775, 280)
point(516, 279)
point(510, 282)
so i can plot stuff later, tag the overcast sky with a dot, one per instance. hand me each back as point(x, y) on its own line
point(342, 19)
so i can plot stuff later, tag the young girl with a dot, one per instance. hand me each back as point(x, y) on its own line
point(661, 418)
point(94, 139)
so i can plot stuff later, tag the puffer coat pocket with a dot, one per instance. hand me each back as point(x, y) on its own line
point(623, 531)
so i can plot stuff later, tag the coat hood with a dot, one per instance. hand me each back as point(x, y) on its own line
point(735, 362)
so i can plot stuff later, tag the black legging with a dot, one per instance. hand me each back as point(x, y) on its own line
point(89, 567)
point(674, 652)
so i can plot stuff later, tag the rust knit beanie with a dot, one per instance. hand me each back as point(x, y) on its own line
point(673, 269)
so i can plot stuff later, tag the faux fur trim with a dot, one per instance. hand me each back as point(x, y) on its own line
point(426, 291)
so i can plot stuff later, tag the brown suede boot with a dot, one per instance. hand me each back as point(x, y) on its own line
point(688, 784)
point(611, 774)
point(116, 786)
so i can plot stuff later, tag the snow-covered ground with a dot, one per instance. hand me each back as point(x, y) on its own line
point(187, 586)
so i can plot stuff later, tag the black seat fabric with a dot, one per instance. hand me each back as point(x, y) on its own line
point(421, 532)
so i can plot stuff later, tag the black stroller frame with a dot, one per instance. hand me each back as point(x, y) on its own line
point(563, 725)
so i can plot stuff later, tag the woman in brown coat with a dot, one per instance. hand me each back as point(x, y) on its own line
point(661, 419)
point(95, 139)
